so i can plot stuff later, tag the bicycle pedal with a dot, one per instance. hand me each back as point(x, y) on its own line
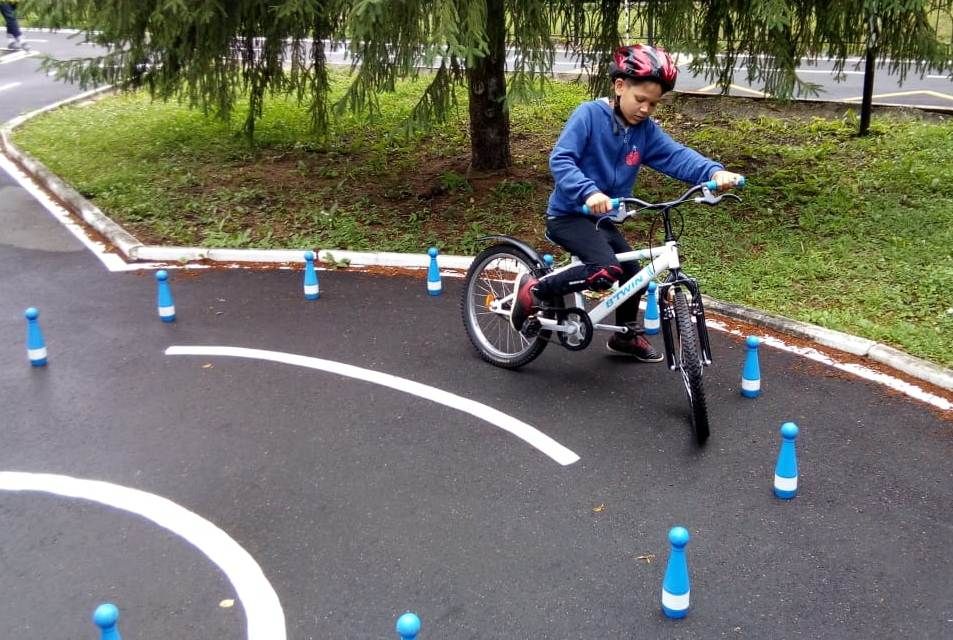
point(531, 327)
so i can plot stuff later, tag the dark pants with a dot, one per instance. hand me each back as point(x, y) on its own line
point(596, 247)
point(10, 17)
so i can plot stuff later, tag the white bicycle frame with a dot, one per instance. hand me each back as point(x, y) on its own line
point(662, 258)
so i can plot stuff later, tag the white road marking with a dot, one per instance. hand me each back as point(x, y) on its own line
point(264, 615)
point(9, 85)
point(736, 87)
point(521, 430)
point(858, 370)
point(19, 55)
point(895, 94)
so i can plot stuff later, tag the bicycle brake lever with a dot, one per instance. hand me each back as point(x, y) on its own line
point(708, 198)
point(620, 215)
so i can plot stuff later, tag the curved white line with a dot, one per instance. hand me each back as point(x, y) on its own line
point(264, 616)
point(520, 429)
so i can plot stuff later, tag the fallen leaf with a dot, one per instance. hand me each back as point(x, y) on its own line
point(599, 509)
point(647, 559)
point(207, 365)
point(227, 603)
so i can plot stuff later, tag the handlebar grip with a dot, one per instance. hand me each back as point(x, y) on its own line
point(615, 205)
point(711, 185)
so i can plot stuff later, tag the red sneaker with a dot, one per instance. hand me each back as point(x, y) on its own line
point(635, 346)
point(524, 302)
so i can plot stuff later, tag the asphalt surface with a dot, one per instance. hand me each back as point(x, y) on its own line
point(360, 502)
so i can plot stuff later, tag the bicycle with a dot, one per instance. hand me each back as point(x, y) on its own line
point(490, 286)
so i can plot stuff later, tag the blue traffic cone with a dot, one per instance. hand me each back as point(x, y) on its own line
point(675, 585)
point(35, 347)
point(164, 297)
point(105, 617)
point(408, 626)
point(785, 471)
point(312, 289)
point(751, 374)
point(434, 287)
point(651, 322)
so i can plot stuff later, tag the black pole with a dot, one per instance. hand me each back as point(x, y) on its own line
point(870, 63)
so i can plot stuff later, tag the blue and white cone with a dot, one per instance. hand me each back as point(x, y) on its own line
point(675, 585)
point(312, 289)
point(651, 322)
point(751, 374)
point(408, 626)
point(434, 286)
point(164, 297)
point(106, 617)
point(35, 347)
point(785, 471)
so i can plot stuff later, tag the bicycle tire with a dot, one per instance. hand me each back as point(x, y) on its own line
point(689, 363)
point(490, 278)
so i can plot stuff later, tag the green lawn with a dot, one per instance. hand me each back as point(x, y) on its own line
point(854, 234)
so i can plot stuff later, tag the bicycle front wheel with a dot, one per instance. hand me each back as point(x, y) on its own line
point(487, 301)
point(689, 364)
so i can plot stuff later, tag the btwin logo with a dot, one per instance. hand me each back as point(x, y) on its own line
point(622, 292)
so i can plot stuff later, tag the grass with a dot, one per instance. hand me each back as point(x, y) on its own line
point(855, 234)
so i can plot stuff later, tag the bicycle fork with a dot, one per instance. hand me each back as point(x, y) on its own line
point(667, 314)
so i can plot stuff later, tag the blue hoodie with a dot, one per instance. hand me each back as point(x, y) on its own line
point(597, 151)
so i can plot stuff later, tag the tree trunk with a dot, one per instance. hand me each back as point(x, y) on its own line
point(489, 117)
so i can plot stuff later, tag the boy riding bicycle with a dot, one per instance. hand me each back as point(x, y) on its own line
point(596, 158)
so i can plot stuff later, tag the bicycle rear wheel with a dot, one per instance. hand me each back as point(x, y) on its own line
point(689, 364)
point(487, 300)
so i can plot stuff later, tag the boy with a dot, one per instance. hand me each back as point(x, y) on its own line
point(597, 158)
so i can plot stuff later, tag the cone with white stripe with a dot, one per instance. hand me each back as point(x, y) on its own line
point(408, 626)
point(164, 297)
point(785, 471)
point(434, 286)
point(751, 374)
point(106, 617)
point(35, 347)
point(651, 322)
point(675, 586)
point(312, 288)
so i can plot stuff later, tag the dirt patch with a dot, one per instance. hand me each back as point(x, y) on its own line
point(361, 199)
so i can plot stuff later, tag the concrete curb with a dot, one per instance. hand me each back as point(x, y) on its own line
point(136, 251)
point(894, 358)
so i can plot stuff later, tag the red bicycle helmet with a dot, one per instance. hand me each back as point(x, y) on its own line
point(642, 62)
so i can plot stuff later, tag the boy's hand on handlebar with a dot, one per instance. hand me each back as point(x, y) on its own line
point(727, 180)
point(599, 203)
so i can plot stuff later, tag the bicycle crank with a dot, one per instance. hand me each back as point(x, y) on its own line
point(576, 331)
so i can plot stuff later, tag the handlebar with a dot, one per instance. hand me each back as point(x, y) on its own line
point(708, 198)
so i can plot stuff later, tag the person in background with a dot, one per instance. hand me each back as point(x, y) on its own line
point(9, 11)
